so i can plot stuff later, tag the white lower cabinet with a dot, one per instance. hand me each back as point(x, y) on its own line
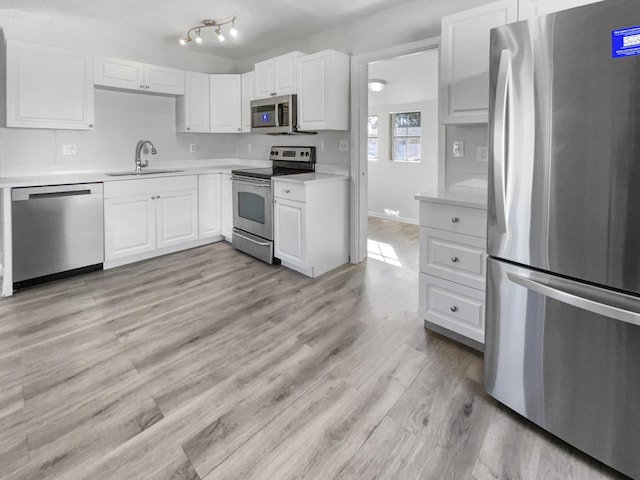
point(310, 223)
point(209, 205)
point(145, 218)
point(291, 232)
point(227, 206)
point(452, 270)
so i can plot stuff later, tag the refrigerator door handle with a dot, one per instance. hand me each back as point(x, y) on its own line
point(583, 303)
point(499, 139)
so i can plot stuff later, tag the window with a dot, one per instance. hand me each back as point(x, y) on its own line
point(406, 133)
point(372, 140)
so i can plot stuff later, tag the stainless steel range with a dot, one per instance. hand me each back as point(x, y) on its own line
point(253, 199)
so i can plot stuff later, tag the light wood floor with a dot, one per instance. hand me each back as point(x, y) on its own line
point(208, 364)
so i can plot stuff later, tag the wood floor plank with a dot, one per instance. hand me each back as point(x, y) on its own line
point(210, 364)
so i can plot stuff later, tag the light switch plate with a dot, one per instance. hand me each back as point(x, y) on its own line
point(483, 155)
point(69, 149)
point(458, 148)
point(192, 147)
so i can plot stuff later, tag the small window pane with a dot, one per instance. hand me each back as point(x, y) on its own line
point(373, 126)
point(400, 149)
point(413, 149)
point(372, 148)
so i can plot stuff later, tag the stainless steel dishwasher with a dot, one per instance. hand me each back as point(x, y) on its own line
point(57, 231)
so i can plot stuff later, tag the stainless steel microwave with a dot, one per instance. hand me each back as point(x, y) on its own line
point(275, 115)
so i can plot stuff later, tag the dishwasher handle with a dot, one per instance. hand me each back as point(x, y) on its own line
point(53, 191)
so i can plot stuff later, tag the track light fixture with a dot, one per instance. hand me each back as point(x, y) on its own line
point(209, 23)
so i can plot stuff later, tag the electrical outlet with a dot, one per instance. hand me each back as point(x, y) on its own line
point(249, 148)
point(343, 145)
point(458, 148)
point(69, 149)
point(321, 145)
point(192, 147)
point(483, 155)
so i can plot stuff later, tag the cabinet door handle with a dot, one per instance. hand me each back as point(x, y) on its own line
point(153, 197)
point(455, 219)
point(157, 196)
point(91, 125)
point(188, 128)
point(455, 259)
point(454, 309)
point(146, 86)
point(141, 86)
point(287, 190)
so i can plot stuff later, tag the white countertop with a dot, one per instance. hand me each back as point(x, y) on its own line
point(461, 196)
point(310, 177)
point(69, 178)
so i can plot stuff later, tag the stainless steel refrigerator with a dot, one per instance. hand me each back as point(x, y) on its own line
point(563, 291)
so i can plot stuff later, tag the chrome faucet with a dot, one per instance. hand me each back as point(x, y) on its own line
point(139, 147)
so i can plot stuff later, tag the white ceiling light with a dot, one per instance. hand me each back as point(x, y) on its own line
point(209, 23)
point(377, 85)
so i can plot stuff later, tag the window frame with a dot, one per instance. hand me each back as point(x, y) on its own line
point(393, 136)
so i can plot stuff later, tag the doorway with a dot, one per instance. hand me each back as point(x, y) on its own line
point(359, 139)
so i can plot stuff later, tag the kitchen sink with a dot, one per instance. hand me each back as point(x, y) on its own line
point(143, 172)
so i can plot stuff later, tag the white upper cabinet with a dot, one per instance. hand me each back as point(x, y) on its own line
point(464, 61)
point(277, 76)
point(226, 103)
point(534, 8)
point(323, 87)
point(248, 89)
point(47, 87)
point(130, 75)
point(192, 109)
point(464, 54)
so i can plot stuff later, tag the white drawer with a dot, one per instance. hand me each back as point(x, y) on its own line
point(452, 306)
point(469, 221)
point(452, 256)
point(288, 190)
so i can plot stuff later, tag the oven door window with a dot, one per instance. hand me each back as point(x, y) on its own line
point(251, 207)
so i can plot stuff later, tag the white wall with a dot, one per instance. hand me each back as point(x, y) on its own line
point(392, 185)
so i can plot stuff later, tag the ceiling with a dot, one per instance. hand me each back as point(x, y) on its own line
point(262, 24)
point(410, 78)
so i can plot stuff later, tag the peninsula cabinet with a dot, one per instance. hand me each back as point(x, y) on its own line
point(47, 87)
point(277, 76)
point(192, 108)
point(453, 269)
point(464, 54)
point(149, 217)
point(129, 75)
point(310, 222)
point(323, 87)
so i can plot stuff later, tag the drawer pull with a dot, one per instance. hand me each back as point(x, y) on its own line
point(287, 191)
point(454, 309)
point(455, 219)
point(455, 259)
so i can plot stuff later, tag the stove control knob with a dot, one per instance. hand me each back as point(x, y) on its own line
point(271, 152)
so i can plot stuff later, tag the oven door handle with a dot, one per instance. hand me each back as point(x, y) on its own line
point(249, 182)
point(262, 244)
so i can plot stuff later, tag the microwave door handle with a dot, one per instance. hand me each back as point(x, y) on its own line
point(499, 140)
point(582, 303)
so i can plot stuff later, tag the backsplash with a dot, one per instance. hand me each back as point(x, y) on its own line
point(466, 171)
